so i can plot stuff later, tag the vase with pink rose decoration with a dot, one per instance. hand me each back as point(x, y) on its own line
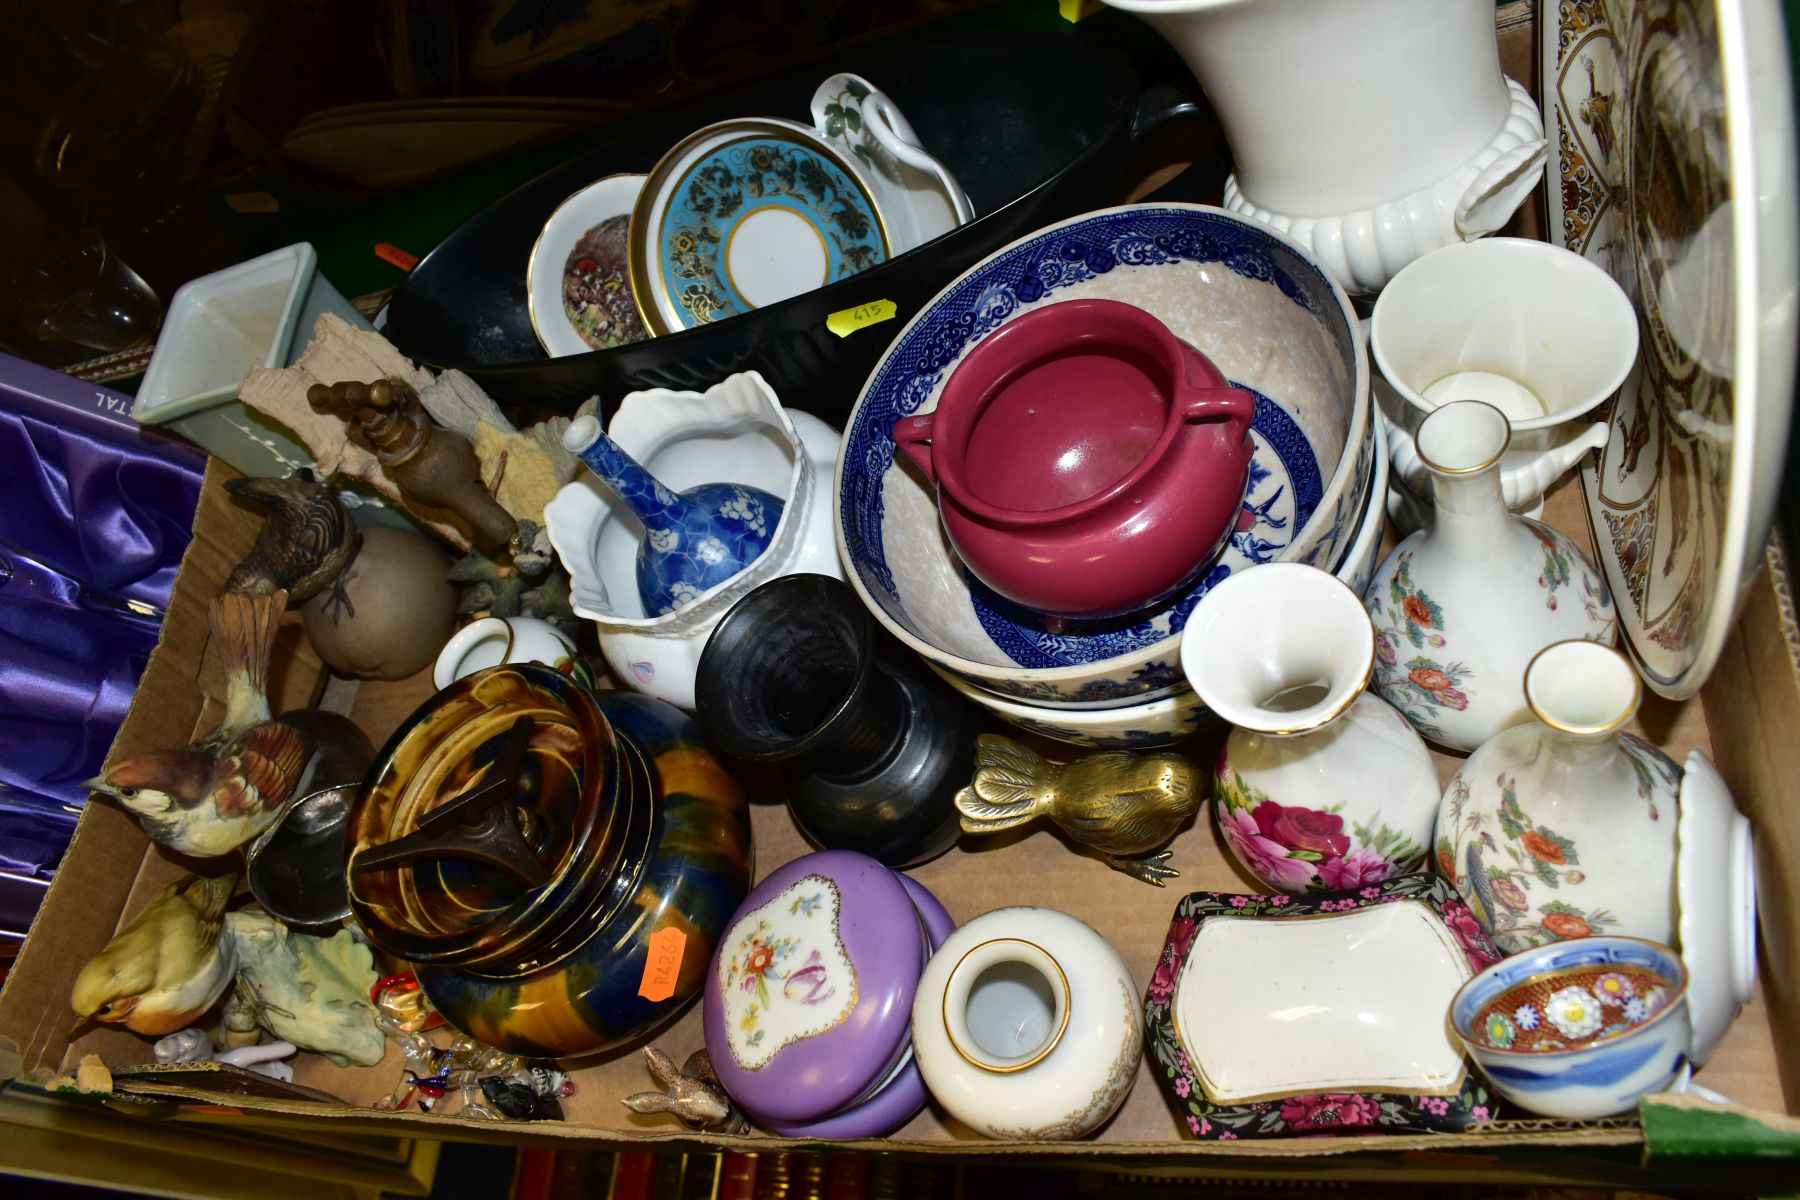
point(1321, 785)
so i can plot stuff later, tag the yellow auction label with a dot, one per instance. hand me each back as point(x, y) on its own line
point(847, 321)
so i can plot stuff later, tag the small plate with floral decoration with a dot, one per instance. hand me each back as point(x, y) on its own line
point(746, 213)
point(1281, 1015)
point(578, 279)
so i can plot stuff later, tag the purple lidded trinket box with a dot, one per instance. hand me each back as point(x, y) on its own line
point(808, 1008)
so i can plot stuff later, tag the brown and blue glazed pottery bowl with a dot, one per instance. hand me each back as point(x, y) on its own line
point(557, 865)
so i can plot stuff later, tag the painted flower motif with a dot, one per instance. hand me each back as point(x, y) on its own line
point(683, 592)
point(1364, 865)
point(1461, 920)
point(1542, 848)
point(1384, 649)
point(807, 984)
point(1654, 1000)
point(662, 540)
point(1526, 1017)
point(1162, 983)
point(1183, 1088)
point(1417, 611)
point(1302, 828)
point(710, 551)
point(1446, 860)
point(1267, 859)
point(1574, 1012)
point(1436, 1105)
point(1429, 678)
point(1480, 1112)
point(1613, 989)
point(762, 957)
point(1636, 1010)
point(746, 508)
point(1330, 1111)
point(1510, 893)
point(1197, 1126)
point(1453, 698)
point(1499, 1031)
point(1564, 925)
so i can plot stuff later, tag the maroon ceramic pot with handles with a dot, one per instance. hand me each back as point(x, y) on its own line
point(1088, 462)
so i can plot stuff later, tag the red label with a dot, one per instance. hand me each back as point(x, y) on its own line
point(394, 254)
point(663, 966)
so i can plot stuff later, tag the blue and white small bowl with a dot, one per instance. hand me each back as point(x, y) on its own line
point(1619, 1056)
point(1241, 293)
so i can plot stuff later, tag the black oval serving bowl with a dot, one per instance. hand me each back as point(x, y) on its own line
point(1036, 125)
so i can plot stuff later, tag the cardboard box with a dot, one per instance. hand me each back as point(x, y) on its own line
point(1747, 719)
point(1744, 720)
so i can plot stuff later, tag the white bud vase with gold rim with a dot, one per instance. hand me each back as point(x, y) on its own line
point(1461, 608)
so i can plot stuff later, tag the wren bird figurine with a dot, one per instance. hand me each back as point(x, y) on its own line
point(220, 792)
point(305, 542)
point(692, 1092)
point(1122, 804)
point(168, 966)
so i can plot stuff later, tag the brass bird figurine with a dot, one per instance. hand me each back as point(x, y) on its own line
point(165, 969)
point(692, 1092)
point(227, 787)
point(1120, 803)
point(306, 540)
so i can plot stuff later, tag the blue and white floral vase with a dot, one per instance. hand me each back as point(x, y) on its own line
point(1461, 609)
point(1565, 827)
point(693, 540)
point(1320, 785)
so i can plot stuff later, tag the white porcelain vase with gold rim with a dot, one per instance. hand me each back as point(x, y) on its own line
point(1566, 827)
point(1027, 1027)
point(1461, 608)
point(1320, 786)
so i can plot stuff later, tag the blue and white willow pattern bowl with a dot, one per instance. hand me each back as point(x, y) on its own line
point(1244, 295)
point(1148, 723)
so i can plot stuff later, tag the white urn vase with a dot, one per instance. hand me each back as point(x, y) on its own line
point(1461, 609)
point(1320, 785)
point(1026, 1026)
point(1371, 132)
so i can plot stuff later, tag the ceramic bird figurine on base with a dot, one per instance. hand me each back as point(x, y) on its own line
point(311, 991)
point(168, 966)
point(224, 789)
point(692, 541)
point(1122, 804)
point(306, 540)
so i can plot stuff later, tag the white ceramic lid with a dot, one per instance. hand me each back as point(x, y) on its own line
point(1715, 885)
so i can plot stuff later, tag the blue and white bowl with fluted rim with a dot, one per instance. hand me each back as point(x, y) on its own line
point(1598, 1078)
point(1247, 297)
